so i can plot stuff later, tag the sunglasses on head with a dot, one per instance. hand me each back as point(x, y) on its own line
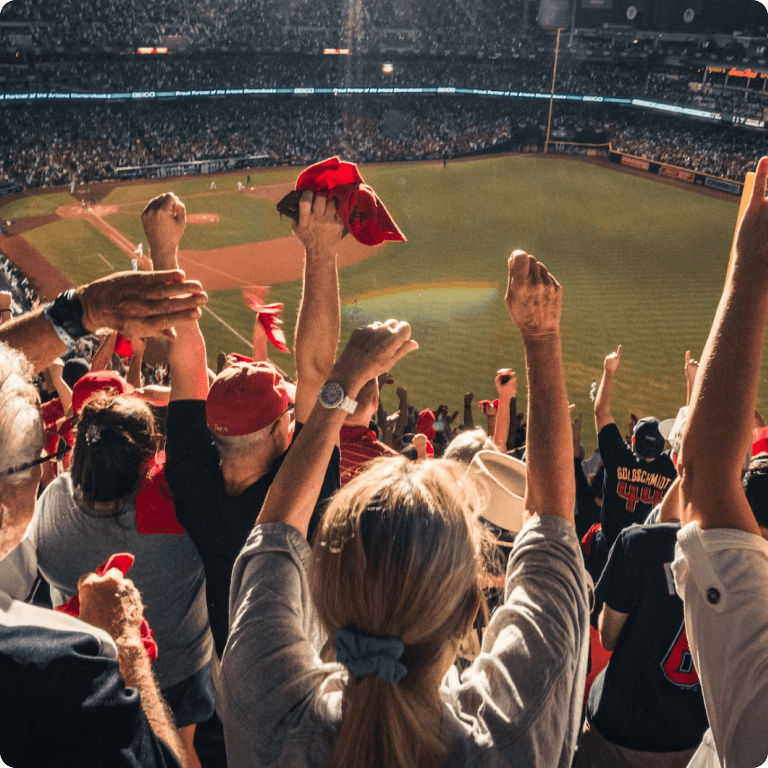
point(60, 454)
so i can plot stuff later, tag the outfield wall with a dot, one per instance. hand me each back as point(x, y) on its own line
point(677, 173)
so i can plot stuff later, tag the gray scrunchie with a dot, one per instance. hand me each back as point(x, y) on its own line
point(364, 654)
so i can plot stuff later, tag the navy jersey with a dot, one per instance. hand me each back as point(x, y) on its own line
point(632, 486)
point(648, 697)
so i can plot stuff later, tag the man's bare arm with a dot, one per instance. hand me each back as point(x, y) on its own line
point(603, 400)
point(164, 220)
point(133, 303)
point(719, 428)
point(609, 624)
point(112, 603)
point(534, 299)
point(317, 326)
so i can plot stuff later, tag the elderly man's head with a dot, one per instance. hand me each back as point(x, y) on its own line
point(22, 437)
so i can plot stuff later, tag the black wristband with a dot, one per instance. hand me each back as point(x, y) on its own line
point(66, 314)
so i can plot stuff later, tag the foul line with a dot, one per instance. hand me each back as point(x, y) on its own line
point(229, 327)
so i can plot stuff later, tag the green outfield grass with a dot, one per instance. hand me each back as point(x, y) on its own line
point(242, 220)
point(642, 265)
point(36, 205)
point(73, 245)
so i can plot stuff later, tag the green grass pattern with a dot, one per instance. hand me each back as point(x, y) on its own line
point(642, 265)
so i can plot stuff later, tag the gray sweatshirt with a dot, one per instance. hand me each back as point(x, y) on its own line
point(519, 704)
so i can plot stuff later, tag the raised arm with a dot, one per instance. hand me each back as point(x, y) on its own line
point(533, 299)
point(293, 493)
point(164, 220)
point(133, 303)
point(691, 369)
point(317, 326)
point(719, 428)
point(603, 400)
point(506, 386)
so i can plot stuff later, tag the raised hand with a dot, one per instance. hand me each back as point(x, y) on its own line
point(111, 602)
point(318, 228)
point(611, 362)
point(375, 349)
point(533, 296)
point(691, 368)
point(506, 383)
point(141, 303)
point(164, 220)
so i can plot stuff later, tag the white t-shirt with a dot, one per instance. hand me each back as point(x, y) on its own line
point(722, 576)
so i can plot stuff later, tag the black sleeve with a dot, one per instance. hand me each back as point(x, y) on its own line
point(70, 706)
point(616, 587)
point(193, 467)
point(331, 484)
point(611, 445)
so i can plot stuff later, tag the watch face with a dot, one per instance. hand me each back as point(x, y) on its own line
point(331, 394)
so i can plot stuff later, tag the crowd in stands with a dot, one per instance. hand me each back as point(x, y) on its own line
point(54, 144)
point(310, 568)
point(23, 296)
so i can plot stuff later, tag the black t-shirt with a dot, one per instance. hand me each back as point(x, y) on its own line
point(219, 525)
point(632, 486)
point(648, 697)
point(67, 705)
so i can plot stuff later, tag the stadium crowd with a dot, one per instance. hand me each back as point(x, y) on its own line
point(348, 587)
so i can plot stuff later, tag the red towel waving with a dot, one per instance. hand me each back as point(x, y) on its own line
point(268, 316)
point(359, 207)
point(123, 562)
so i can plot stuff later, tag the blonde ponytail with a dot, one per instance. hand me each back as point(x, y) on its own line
point(397, 556)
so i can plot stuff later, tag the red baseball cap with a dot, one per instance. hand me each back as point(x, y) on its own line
point(93, 382)
point(244, 398)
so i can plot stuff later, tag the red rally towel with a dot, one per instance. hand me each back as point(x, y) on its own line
point(155, 510)
point(268, 315)
point(759, 440)
point(123, 346)
point(359, 207)
point(123, 562)
point(484, 403)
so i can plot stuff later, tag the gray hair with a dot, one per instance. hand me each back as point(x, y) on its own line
point(464, 446)
point(231, 446)
point(22, 434)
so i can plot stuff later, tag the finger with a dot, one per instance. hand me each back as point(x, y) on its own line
point(544, 277)
point(518, 267)
point(86, 580)
point(179, 210)
point(687, 358)
point(319, 204)
point(161, 276)
point(618, 351)
point(761, 182)
point(165, 291)
point(305, 205)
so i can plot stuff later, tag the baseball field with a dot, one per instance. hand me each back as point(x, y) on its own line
point(642, 264)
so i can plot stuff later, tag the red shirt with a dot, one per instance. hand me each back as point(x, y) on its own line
point(359, 446)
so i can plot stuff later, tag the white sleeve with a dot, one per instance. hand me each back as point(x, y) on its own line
point(722, 577)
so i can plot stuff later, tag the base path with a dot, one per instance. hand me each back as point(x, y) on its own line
point(272, 261)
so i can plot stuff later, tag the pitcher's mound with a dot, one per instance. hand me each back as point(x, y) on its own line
point(202, 218)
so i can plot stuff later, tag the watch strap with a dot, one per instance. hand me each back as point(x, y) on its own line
point(65, 314)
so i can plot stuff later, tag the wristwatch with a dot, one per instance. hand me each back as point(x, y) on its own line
point(332, 395)
point(65, 314)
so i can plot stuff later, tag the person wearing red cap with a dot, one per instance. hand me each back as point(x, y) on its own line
point(224, 447)
point(358, 442)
